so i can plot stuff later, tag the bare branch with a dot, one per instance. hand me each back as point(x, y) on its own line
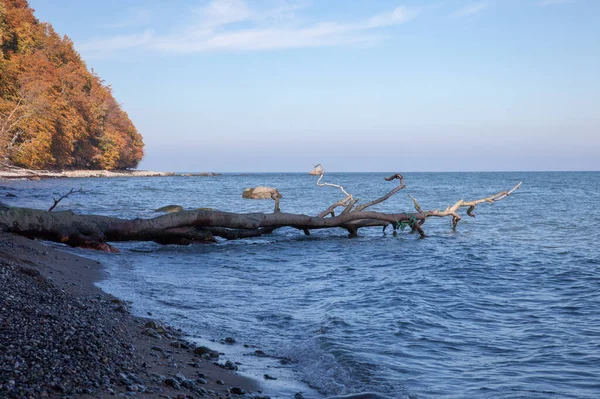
point(56, 201)
point(400, 186)
point(330, 184)
point(331, 209)
point(276, 197)
point(417, 206)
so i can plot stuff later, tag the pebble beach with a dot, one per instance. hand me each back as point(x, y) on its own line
point(61, 336)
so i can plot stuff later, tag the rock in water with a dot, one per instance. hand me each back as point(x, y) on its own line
point(170, 208)
point(260, 192)
point(317, 171)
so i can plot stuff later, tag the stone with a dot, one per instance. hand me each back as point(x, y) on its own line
point(317, 171)
point(10, 195)
point(260, 192)
point(120, 309)
point(156, 326)
point(189, 384)
point(203, 350)
point(230, 340)
point(237, 391)
point(229, 365)
point(172, 382)
point(170, 209)
point(151, 333)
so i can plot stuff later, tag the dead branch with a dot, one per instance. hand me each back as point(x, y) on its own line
point(56, 201)
point(204, 226)
point(400, 186)
point(319, 167)
point(276, 197)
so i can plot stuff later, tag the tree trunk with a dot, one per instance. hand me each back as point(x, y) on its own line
point(204, 226)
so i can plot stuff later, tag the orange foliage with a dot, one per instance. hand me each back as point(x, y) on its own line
point(54, 113)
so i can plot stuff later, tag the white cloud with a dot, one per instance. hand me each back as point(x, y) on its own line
point(471, 9)
point(231, 25)
point(115, 43)
point(545, 3)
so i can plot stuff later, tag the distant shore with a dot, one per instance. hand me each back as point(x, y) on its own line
point(9, 172)
point(60, 335)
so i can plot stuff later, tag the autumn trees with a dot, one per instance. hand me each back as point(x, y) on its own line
point(54, 113)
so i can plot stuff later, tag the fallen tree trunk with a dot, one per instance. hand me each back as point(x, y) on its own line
point(204, 226)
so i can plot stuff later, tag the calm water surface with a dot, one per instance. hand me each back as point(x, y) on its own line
point(507, 306)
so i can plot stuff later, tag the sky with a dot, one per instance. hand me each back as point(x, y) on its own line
point(357, 85)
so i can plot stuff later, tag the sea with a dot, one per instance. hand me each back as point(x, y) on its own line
point(505, 306)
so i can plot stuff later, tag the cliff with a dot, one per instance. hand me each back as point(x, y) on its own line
point(54, 112)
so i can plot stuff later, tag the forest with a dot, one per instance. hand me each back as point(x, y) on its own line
point(54, 112)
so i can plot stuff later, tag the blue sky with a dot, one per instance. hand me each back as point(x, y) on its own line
point(357, 85)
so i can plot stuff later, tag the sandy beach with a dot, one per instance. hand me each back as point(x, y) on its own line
point(61, 336)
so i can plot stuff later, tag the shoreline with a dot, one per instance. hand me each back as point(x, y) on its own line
point(10, 173)
point(61, 335)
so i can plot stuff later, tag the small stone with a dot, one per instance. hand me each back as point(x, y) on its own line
point(220, 382)
point(268, 377)
point(151, 333)
point(189, 384)
point(229, 365)
point(172, 382)
point(202, 350)
point(120, 308)
point(201, 381)
point(230, 341)
point(237, 391)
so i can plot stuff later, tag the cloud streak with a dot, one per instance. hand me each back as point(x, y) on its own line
point(471, 9)
point(231, 25)
point(545, 3)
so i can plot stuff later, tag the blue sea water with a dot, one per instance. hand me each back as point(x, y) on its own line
point(506, 306)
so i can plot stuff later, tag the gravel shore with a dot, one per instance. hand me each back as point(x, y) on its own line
point(62, 337)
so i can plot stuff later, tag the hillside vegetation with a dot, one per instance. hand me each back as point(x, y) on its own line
point(54, 113)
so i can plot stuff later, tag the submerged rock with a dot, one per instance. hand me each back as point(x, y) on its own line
point(260, 192)
point(170, 209)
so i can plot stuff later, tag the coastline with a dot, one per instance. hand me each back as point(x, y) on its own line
point(11, 172)
point(61, 335)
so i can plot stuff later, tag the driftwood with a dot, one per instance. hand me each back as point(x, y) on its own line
point(204, 226)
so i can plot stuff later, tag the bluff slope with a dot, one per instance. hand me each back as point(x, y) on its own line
point(54, 112)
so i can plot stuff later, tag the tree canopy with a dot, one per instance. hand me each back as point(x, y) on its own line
point(54, 112)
